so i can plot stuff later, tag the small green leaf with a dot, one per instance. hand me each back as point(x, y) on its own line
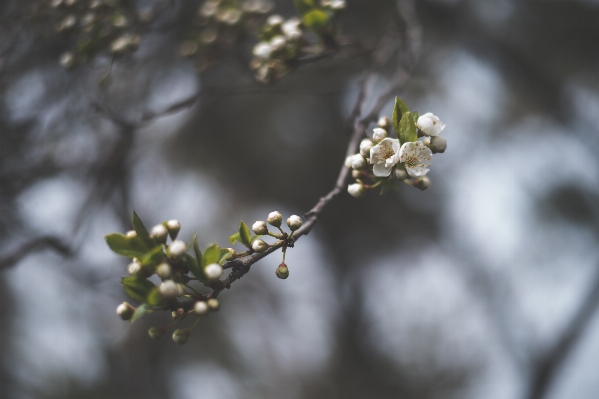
point(142, 232)
point(244, 234)
point(399, 109)
point(304, 6)
point(407, 129)
point(225, 254)
point(234, 238)
point(131, 247)
point(415, 116)
point(140, 311)
point(255, 237)
point(211, 255)
point(152, 258)
point(194, 267)
point(138, 288)
point(316, 20)
point(196, 249)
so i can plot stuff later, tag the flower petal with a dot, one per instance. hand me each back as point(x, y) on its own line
point(380, 170)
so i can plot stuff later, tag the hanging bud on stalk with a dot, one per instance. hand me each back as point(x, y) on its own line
point(201, 308)
point(181, 335)
point(213, 304)
point(125, 311)
point(156, 332)
point(282, 271)
point(173, 227)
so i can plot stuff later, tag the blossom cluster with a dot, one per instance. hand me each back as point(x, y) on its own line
point(285, 41)
point(162, 274)
point(407, 158)
point(218, 26)
point(92, 27)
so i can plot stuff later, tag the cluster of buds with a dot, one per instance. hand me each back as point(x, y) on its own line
point(156, 258)
point(284, 42)
point(219, 24)
point(275, 219)
point(407, 158)
point(94, 26)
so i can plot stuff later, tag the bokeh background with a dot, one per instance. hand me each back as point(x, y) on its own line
point(484, 286)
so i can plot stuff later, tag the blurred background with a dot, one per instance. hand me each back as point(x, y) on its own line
point(484, 286)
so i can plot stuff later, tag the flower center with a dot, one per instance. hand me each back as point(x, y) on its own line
point(387, 152)
point(412, 161)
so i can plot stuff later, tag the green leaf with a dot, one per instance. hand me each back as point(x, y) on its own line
point(131, 247)
point(304, 6)
point(225, 254)
point(407, 129)
point(140, 311)
point(211, 255)
point(399, 109)
point(138, 288)
point(316, 20)
point(235, 238)
point(194, 267)
point(244, 234)
point(155, 298)
point(415, 116)
point(255, 237)
point(196, 249)
point(142, 232)
point(152, 258)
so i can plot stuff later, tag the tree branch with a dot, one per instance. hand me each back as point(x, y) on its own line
point(35, 245)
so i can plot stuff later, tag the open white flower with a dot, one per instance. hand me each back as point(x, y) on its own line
point(384, 156)
point(416, 157)
point(430, 124)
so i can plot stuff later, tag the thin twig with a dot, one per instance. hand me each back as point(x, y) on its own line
point(35, 245)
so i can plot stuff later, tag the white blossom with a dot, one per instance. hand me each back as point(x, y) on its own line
point(416, 157)
point(274, 20)
point(260, 228)
point(357, 161)
point(159, 232)
point(169, 289)
point(262, 50)
point(200, 308)
point(294, 222)
point(291, 29)
point(275, 218)
point(430, 124)
point(384, 156)
point(259, 246)
point(131, 234)
point(134, 268)
point(214, 271)
point(164, 271)
point(277, 43)
point(355, 190)
point(178, 247)
point(378, 134)
point(365, 147)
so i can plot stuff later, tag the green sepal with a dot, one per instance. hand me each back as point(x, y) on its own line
point(194, 267)
point(235, 238)
point(244, 234)
point(388, 184)
point(399, 109)
point(225, 254)
point(142, 232)
point(407, 129)
point(138, 288)
point(212, 255)
point(140, 311)
point(131, 247)
point(316, 20)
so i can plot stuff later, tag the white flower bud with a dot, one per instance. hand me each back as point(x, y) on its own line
point(169, 289)
point(337, 4)
point(400, 173)
point(430, 124)
point(275, 219)
point(120, 21)
point(356, 174)
point(68, 22)
point(120, 45)
point(438, 144)
point(422, 183)
point(426, 140)
point(213, 271)
point(159, 232)
point(379, 134)
point(294, 222)
point(213, 304)
point(358, 162)
point(173, 226)
point(181, 335)
point(259, 246)
point(347, 162)
point(134, 268)
point(131, 234)
point(282, 271)
point(178, 248)
point(125, 311)
point(260, 228)
point(164, 271)
point(365, 147)
point(67, 60)
point(262, 50)
point(355, 190)
point(275, 20)
point(208, 9)
point(201, 308)
point(278, 43)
